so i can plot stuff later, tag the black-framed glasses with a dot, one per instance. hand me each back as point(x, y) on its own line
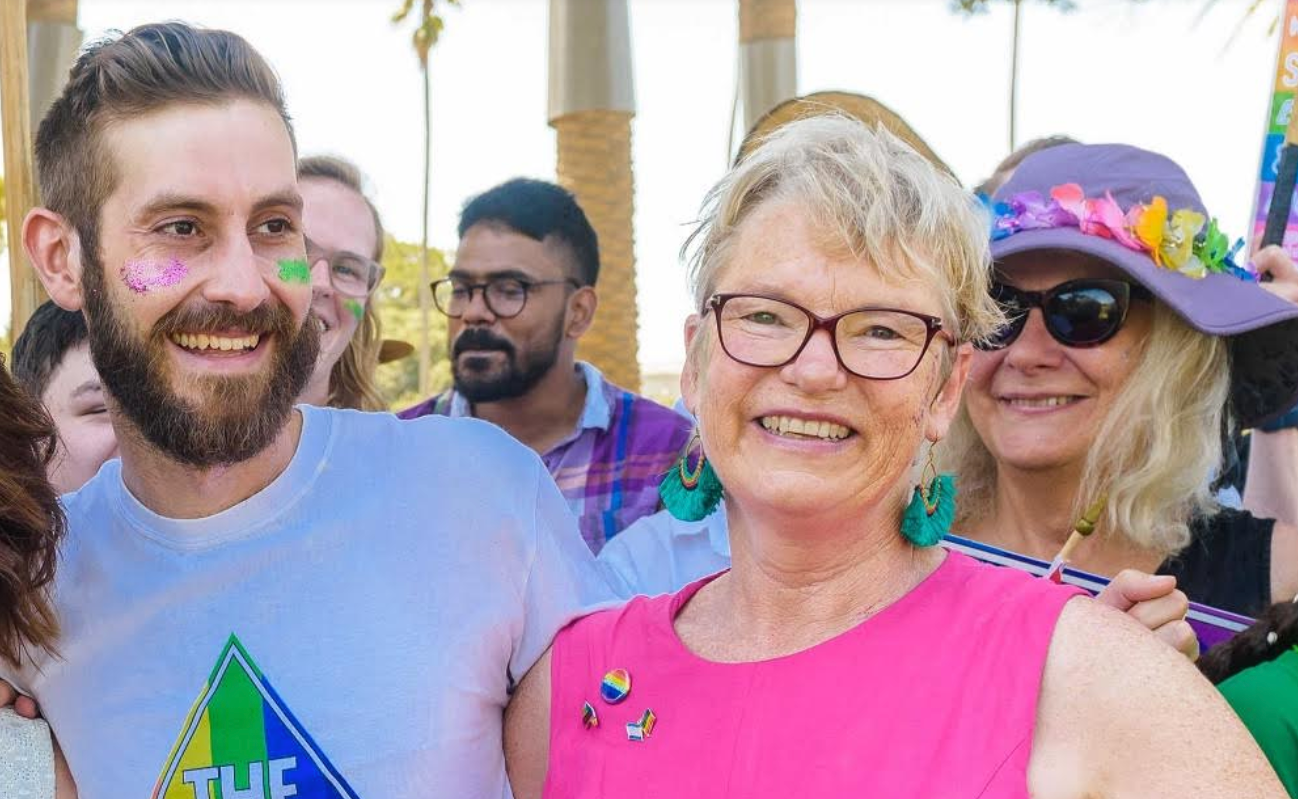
point(505, 296)
point(875, 343)
point(1078, 313)
point(349, 273)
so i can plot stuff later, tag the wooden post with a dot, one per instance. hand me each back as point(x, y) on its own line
point(20, 188)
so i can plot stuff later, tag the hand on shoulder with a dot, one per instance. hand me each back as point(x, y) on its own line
point(1155, 603)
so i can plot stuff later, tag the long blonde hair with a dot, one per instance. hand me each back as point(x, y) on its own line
point(1153, 453)
point(352, 381)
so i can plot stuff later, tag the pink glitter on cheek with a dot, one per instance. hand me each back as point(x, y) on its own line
point(144, 276)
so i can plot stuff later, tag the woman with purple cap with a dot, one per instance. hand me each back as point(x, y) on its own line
point(1133, 331)
point(838, 281)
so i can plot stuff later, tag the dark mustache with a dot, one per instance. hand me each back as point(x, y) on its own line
point(475, 338)
point(263, 320)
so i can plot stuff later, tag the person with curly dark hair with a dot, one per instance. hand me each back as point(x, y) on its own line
point(31, 527)
point(1257, 672)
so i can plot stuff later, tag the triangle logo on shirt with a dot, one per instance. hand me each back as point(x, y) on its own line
point(240, 741)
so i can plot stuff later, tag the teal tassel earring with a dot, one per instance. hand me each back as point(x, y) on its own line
point(931, 510)
point(691, 495)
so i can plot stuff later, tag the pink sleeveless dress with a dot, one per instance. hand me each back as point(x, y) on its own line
point(934, 696)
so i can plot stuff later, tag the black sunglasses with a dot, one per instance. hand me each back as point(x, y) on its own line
point(1079, 313)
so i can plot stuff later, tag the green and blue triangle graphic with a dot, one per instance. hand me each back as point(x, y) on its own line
point(240, 741)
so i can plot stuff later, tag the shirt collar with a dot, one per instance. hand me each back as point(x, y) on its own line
point(713, 525)
point(459, 405)
point(596, 413)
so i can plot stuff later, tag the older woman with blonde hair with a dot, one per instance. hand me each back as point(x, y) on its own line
point(839, 280)
point(1132, 332)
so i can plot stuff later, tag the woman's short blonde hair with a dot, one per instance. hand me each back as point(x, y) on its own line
point(1153, 453)
point(874, 197)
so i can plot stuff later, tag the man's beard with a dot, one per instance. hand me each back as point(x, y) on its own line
point(238, 417)
point(487, 384)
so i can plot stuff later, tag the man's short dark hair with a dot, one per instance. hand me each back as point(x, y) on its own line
point(48, 336)
point(125, 76)
point(539, 210)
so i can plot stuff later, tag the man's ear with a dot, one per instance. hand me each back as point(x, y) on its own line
point(581, 311)
point(945, 406)
point(690, 372)
point(55, 252)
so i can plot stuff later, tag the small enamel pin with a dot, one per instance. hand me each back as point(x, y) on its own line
point(589, 719)
point(642, 729)
point(615, 686)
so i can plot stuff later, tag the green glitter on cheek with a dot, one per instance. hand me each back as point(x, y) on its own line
point(294, 271)
point(356, 308)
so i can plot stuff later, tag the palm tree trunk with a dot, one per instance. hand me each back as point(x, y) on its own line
point(19, 185)
point(425, 291)
point(1014, 77)
point(594, 163)
point(768, 66)
point(592, 103)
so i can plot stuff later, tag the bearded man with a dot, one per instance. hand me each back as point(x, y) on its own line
point(520, 295)
point(262, 600)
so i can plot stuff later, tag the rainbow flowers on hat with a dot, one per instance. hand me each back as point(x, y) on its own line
point(1182, 240)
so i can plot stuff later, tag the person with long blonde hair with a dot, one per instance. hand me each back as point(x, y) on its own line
point(1134, 337)
point(345, 250)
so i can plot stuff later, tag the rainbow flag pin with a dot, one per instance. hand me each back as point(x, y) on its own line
point(647, 722)
point(240, 737)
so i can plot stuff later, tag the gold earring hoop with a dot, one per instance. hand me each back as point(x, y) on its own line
point(691, 479)
point(927, 478)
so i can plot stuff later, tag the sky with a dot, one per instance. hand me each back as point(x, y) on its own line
point(1161, 74)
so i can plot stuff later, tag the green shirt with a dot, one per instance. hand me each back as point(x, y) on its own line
point(1266, 698)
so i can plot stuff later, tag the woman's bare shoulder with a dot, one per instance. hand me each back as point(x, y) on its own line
point(1121, 713)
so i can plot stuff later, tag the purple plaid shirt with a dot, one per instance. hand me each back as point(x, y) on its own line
point(610, 467)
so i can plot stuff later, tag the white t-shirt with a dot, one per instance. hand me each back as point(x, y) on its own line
point(661, 554)
point(352, 630)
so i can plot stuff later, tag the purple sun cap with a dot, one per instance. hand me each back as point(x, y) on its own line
point(1262, 329)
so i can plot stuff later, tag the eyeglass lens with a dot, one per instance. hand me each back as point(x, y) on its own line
point(1076, 314)
point(349, 273)
point(505, 297)
point(881, 344)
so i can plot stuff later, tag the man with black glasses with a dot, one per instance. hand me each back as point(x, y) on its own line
point(521, 293)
